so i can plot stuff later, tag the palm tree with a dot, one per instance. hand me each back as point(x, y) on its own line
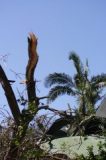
point(88, 91)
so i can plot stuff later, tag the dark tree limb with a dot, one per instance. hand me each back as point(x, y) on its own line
point(10, 96)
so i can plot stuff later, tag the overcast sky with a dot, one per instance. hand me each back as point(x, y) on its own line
point(61, 26)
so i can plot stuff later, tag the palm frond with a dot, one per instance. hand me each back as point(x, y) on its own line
point(59, 90)
point(99, 78)
point(99, 81)
point(58, 78)
point(86, 69)
point(77, 63)
point(77, 81)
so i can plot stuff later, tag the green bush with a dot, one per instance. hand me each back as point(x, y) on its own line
point(91, 156)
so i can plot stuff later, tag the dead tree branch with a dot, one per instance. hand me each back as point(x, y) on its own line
point(33, 59)
point(10, 96)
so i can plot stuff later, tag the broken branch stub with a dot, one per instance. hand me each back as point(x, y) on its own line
point(32, 62)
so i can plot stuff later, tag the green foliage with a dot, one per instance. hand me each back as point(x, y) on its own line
point(32, 153)
point(86, 90)
point(59, 90)
point(78, 65)
point(101, 155)
point(60, 78)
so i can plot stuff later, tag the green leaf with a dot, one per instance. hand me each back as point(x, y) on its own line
point(58, 78)
point(59, 90)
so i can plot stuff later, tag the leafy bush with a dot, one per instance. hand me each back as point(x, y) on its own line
point(91, 156)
